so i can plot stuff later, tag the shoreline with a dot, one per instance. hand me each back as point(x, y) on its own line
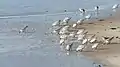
point(108, 55)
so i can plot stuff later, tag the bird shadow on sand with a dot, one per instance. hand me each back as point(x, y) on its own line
point(101, 19)
point(88, 51)
point(114, 43)
point(91, 23)
point(103, 48)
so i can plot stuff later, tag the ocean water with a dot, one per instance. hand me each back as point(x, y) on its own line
point(36, 48)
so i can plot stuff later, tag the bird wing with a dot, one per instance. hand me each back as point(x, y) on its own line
point(84, 41)
point(95, 45)
point(67, 47)
point(80, 47)
point(93, 40)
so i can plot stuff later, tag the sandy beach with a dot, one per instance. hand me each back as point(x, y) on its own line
point(109, 54)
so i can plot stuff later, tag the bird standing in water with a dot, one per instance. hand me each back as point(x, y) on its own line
point(23, 30)
point(82, 12)
point(115, 7)
point(96, 11)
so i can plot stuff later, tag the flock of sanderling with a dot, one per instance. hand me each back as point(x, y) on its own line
point(69, 34)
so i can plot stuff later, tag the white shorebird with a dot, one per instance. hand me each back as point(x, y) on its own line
point(57, 30)
point(69, 47)
point(90, 37)
point(74, 25)
point(107, 39)
point(93, 40)
point(95, 45)
point(72, 34)
point(62, 41)
point(63, 36)
point(80, 48)
point(80, 21)
point(61, 32)
point(23, 30)
point(64, 30)
point(114, 7)
point(82, 11)
point(97, 65)
point(96, 10)
point(85, 41)
point(56, 23)
point(80, 37)
point(66, 20)
point(85, 32)
point(88, 16)
point(80, 31)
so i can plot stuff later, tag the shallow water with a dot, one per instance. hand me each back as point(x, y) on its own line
point(34, 48)
point(51, 8)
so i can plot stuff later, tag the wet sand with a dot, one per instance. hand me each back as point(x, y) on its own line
point(108, 55)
